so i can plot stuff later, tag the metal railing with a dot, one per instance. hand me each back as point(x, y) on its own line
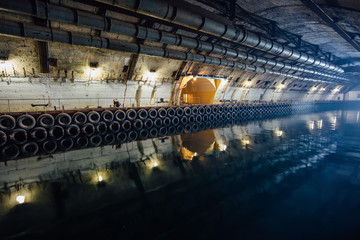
point(190, 100)
point(37, 104)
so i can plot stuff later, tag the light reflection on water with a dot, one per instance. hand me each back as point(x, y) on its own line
point(294, 177)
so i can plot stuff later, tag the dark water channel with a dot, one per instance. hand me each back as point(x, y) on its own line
point(288, 178)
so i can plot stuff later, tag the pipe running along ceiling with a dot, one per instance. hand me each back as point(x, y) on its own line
point(169, 12)
point(252, 63)
point(57, 13)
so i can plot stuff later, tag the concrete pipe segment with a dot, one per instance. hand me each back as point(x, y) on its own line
point(166, 121)
point(56, 132)
point(152, 113)
point(18, 136)
point(3, 138)
point(143, 134)
point(137, 124)
point(142, 114)
point(10, 152)
point(175, 120)
point(153, 133)
point(95, 140)
point(26, 121)
point(179, 112)
point(126, 125)
point(109, 138)
point(63, 119)
point(38, 134)
point(93, 117)
point(81, 142)
point(62, 131)
point(66, 144)
point(148, 123)
point(107, 115)
point(131, 114)
point(88, 129)
point(170, 112)
point(7, 123)
point(121, 137)
point(162, 113)
point(45, 121)
point(162, 131)
point(120, 115)
point(132, 135)
point(114, 127)
point(187, 111)
point(101, 128)
point(72, 130)
point(49, 146)
point(79, 118)
point(157, 122)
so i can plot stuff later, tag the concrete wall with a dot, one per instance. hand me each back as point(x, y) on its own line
point(254, 94)
point(353, 95)
point(20, 93)
point(72, 83)
point(136, 80)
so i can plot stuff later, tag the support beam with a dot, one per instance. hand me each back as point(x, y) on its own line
point(132, 66)
point(44, 56)
point(330, 22)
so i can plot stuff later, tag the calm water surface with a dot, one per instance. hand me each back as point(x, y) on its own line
point(289, 178)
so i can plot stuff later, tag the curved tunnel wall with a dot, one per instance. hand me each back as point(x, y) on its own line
point(75, 79)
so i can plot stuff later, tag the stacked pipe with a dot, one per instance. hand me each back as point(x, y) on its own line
point(170, 11)
point(82, 18)
point(26, 134)
point(327, 72)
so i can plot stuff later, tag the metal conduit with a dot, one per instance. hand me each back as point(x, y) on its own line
point(168, 12)
point(63, 14)
point(46, 34)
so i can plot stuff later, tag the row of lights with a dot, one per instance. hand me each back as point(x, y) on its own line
point(282, 85)
point(155, 164)
point(149, 75)
point(319, 124)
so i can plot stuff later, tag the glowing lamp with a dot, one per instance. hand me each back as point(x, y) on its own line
point(100, 178)
point(311, 125)
point(248, 83)
point(20, 199)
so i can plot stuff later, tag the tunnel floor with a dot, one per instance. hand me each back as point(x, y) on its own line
point(294, 177)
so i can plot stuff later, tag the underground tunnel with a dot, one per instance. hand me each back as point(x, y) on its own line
point(187, 119)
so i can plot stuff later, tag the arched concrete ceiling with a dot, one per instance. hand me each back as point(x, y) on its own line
point(296, 17)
